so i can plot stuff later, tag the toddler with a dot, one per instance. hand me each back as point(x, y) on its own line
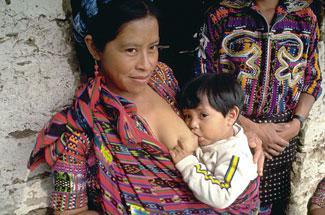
point(221, 172)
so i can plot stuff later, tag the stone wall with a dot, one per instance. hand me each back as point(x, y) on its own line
point(38, 75)
point(309, 167)
point(37, 78)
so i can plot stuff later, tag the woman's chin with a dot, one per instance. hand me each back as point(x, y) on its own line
point(134, 90)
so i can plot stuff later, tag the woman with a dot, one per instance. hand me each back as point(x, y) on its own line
point(109, 151)
point(178, 44)
point(271, 48)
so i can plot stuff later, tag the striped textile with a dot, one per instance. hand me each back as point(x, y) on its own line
point(102, 156)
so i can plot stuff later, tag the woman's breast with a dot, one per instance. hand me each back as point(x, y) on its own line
point(167, 127)
point(171, 129)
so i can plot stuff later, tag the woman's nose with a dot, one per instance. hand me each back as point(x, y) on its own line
point(145, 62)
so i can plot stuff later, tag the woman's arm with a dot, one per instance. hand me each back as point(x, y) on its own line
point(275, 137)
point(70, 175)
point(317, 201)
point(255, 144)
point(311, 89)
point(291, 129)
point(317, 211)
point(79, 211)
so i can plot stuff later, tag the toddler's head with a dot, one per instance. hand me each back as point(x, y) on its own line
point(211, 105)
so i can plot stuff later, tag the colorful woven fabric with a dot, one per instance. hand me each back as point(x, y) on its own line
point(319, 196)
point(265, 209)
point(274, 63)
point(127, 170)
point(245, 207)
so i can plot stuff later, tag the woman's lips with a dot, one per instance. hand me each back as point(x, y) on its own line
point(141, 79)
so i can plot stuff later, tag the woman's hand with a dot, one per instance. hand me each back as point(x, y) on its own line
point(273, 143)
point(288, 130)
point(184, 148)
point(255, 144)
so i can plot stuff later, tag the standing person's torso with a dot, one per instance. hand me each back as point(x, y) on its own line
point(269, 60)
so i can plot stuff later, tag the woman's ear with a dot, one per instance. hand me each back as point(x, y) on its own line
point(232, 115)
point(91, 47)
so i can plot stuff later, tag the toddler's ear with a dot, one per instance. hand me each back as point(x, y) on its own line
point(232, 115)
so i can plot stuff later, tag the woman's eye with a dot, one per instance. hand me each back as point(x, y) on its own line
point(154, 47)
point(131, 51)
point(203, 115)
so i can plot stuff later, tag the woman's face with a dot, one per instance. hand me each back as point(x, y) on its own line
point(129, 59)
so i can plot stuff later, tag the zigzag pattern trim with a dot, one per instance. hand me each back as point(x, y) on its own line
point(227, 178)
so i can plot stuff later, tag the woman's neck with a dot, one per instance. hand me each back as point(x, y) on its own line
point(267, 4)
point(131, 96)
point(267, 8)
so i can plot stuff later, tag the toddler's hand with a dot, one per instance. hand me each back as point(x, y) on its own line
point(178, 153)
point(184, 148)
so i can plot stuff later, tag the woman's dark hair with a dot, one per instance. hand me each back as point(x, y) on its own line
point(223, 93)
point(103, 19)
point(111, 16)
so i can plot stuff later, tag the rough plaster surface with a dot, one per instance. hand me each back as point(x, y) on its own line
point(36, 80)
point(309, 167)
point(38, 77)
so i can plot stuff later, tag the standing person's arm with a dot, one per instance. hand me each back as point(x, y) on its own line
point(311, 88)
point(291, 129)
point(275, 137)
point(273, 143)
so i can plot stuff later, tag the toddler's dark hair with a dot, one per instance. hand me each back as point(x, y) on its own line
point(222, 90)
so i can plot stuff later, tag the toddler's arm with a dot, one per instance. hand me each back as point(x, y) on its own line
point(231, 177)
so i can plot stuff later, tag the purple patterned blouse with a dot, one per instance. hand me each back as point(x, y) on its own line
point(274, 63)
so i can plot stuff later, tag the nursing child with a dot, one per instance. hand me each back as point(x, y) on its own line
point(221, 171)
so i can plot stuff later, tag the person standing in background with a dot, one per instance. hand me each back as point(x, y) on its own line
point(271, 48)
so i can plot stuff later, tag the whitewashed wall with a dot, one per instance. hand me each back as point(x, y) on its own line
point(309, 167)
point(37, 78)
point(38, 75)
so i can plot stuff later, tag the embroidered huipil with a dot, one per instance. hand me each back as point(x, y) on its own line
point(274, 63)
point(103, 155)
